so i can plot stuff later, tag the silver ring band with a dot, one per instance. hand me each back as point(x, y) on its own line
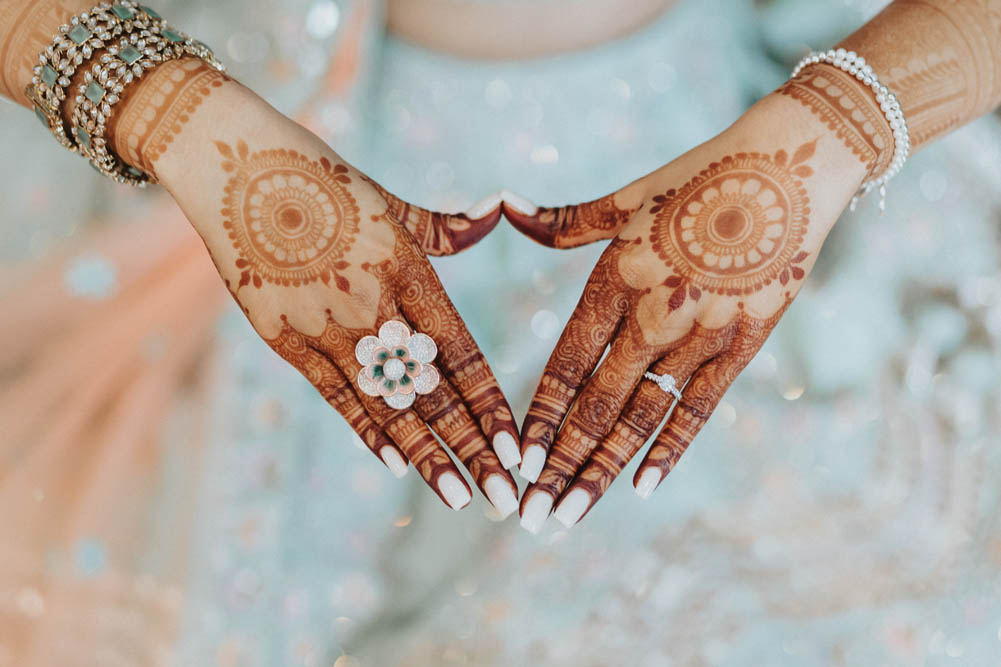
point(666, 383)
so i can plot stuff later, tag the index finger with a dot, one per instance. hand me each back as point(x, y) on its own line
point(423, 301)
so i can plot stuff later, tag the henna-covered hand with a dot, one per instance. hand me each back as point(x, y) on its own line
point(318, 256)
point(706, 255)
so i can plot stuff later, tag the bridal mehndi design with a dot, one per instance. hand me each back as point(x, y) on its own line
point(696, 277)
point(731, 239)
point(735, 227)
point(294, 222)
point(291, 219)
point(733, 232)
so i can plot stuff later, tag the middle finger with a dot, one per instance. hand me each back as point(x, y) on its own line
point(590, 419)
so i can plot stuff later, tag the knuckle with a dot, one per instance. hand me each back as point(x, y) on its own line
point(643, 417)
point(595, 414)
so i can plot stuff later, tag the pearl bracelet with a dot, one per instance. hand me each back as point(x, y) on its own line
point(854, 64)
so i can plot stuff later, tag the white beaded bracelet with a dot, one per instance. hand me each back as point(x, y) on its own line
point(854, 64)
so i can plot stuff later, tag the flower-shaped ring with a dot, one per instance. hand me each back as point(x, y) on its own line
point(397, 365)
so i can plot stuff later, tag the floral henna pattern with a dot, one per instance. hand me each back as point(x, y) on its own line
point(294, 348)
point(704, 392)
point(735, 227)
point(291, 219)
point(848, 109)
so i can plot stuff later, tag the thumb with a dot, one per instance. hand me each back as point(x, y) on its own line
point(445, 233)
point(574, 225)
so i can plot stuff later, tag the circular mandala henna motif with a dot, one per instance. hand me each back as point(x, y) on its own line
point(291, 219)
point(735, 227)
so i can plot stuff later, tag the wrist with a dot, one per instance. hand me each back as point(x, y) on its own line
point(777, 125)
point(157, 110)
point(823, 101)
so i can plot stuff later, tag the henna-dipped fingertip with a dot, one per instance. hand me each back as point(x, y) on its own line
point(648, 482)
point(501, 495)
point(453, 491)
point(537, 510)
point(519, 203)
point(506, 448)
point(532, 463)
point(484, 207)
point(572, 508)
point(396, 463)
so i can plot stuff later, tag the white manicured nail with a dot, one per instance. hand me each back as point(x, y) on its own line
point(536, 511)
point(484, 206)
point(455, 492)
point(532, 462)
point(501, 496)
point(572, 508)
point(648, 482)
point(506, 449)
point(396, 464)
point(519, 203)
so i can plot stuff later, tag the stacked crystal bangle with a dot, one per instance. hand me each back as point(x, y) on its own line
point(101, 89)
point(76, 42)
point(854, 64)
point(130, 39)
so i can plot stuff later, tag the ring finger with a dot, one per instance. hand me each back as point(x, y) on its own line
point(645, 410)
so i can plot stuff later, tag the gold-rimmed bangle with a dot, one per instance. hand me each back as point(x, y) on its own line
point(128, 39)
point(77, 42)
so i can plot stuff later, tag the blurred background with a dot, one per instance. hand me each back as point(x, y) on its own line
point(172, 493)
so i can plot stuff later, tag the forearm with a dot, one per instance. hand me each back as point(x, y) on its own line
point(942, 61)
point(941, 58)
point(26, 29)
